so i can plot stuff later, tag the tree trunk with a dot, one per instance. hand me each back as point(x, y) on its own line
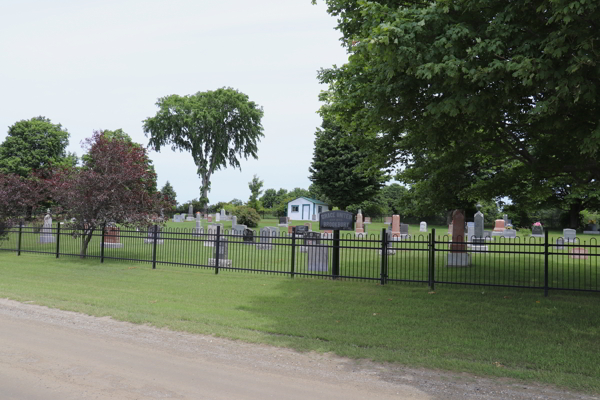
point(85, 240)
point(574, 211)
point(204, 191)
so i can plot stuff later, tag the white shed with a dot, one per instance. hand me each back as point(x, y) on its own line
point(303, 209)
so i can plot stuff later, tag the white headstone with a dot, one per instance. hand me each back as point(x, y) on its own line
point(423, 227)
point(569, 235)
point(46, 231)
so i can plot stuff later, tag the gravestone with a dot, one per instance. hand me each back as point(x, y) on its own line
point(570, 235)
point(367, 220)
point(314, 217)
point(560, 242)
point(209, 218)
point(150, 239)
point(112, 237)
point(238, 229)
point(223, 213)
point(395, 227)
point(267, 234)
point(233, 220)
point(450, 228)
point(537, 230)
point(217, 217)
point(198, 218)
point(223, 254)
point(46, 235)
point(470, 233)
point(423, 226)
point(404, 231)
point(310, 239)
point(359, 224)
point(510, 234)
point(388, 220)
point(248, 236)
point(317, 258)
point(211, 231)
point(458, 257)
point(190, 214)
point(579, 253)
point(301, 230)
point(328, 234)
point(477, 237)
point(198, 230)
point(283, 221)
point(499, 228)
point(591, 229)
point(478, 225)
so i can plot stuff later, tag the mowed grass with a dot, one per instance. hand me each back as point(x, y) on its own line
point(489, 332)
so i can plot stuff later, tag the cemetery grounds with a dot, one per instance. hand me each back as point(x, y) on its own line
point(487, 331)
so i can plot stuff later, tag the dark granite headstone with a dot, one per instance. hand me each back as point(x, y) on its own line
point(312, 238)
point(404, 229)
point(537, 230)
point(223, 249)
point(301, 230)
point(248, 236)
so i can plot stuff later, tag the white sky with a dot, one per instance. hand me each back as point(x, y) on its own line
point(92, 65)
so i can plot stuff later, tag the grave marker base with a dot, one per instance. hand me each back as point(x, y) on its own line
point(459, 260)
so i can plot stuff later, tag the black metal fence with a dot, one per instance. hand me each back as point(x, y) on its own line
point(529, 263)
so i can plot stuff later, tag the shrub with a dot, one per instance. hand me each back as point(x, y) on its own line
point(247, 216)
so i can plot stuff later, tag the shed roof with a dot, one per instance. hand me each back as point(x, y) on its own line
point(311, 200)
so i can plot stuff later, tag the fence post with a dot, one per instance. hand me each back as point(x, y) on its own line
point(335, 258)
point(293, 266)
point(432, 259)
point(19, 243)
point(546, 246)
point(218, 249)
point(57, 238)
point(102, 243)
point(383, 256)
point(154, 237)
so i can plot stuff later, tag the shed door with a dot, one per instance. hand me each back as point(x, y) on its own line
point(305, 211)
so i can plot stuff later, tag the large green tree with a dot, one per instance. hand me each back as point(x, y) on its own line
point(217, 127)
point(507, 91)
point(34, 145)
point(338, 171)
point(255, 186)
point(169, 194)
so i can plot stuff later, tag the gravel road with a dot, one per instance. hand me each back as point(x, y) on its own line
point(52, 354)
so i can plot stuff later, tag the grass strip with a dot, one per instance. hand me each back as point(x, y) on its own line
point(491, 332)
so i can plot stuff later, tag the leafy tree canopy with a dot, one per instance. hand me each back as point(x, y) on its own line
point(216, 127)
point(505, 92)
point(169, 193)
point(34, 145)
point(338, 170)
point(111, 187)
point(255, 186)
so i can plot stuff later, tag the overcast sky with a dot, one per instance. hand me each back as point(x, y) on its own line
point(92, 65)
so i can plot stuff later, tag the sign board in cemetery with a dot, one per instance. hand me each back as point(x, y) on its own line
point(336, 220)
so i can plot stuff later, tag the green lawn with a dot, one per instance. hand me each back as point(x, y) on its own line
point(491, 332)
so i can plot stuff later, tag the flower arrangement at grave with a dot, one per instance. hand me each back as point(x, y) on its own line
point(508, 226)
point(537, 224)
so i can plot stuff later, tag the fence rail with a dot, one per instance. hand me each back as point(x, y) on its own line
point(529, 263)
